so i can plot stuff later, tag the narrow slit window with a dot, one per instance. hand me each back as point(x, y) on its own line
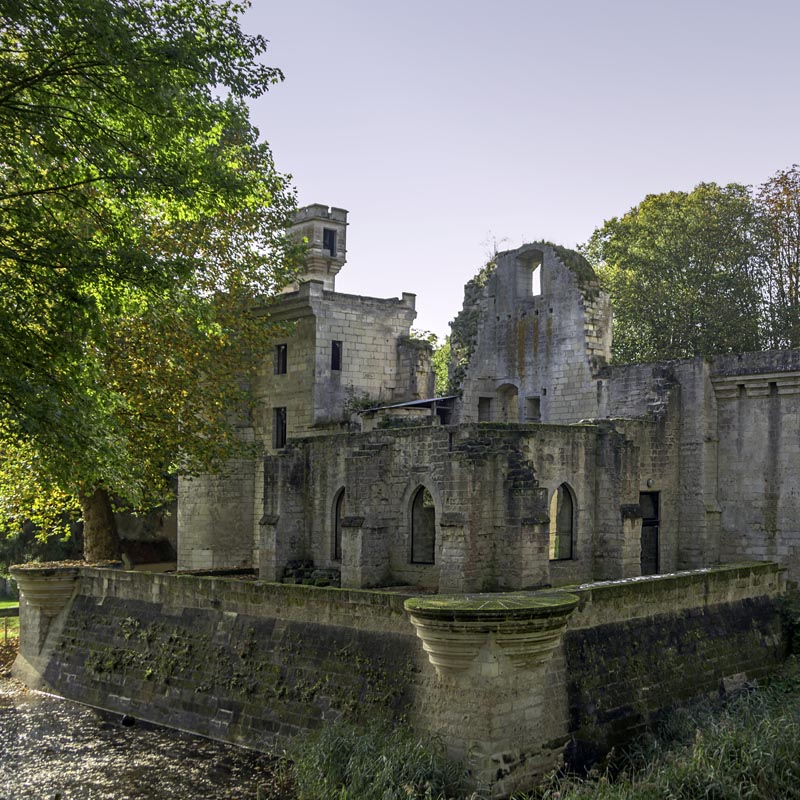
point(281, 358)
point(536, 280)
point(336, 356)
point(338, 515)
point(279, 427)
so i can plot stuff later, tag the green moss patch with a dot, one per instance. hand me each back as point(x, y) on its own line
point(490, 606)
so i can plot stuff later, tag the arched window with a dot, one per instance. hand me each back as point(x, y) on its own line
point(562, 523)
point(423, 528)
point(338, 515)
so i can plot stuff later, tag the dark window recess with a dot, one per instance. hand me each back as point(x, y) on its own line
point(279, 427)
point(423, 528)
point(484, 409)
point(336, 355)
point(534, 409)
point(648, 502)
point(329, 241)
point(338, 514)
point(281, 357)
point(562, 524)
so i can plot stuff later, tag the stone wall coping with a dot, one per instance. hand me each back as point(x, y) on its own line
point(598, 602)
point(490, 607)
point(681, 576)
point(602, 602)
point(360, 608)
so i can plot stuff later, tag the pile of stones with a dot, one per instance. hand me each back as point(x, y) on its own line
point(304, 572)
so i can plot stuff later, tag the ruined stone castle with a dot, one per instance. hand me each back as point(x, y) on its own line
point(615, 490)
point(548, 466)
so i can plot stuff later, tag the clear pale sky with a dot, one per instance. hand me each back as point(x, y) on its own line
point(448, 125)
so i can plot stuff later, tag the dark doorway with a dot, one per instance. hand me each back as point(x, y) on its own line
point(648, 502)
point(423, 528)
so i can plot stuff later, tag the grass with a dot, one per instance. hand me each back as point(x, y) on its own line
point(9, 626)
point(746, 748)
point(345, 762)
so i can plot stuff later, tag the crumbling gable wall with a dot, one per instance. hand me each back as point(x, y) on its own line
point(532, 335)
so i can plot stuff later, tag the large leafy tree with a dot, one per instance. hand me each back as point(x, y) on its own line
point(682, 270)
point(778, 201)
point(140, 219)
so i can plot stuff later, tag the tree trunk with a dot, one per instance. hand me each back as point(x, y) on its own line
point(100, 537)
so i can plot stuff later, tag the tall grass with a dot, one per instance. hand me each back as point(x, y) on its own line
point(344, 762)
point(748, 748)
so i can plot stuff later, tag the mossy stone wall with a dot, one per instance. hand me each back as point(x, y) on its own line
point(255, 663)
point(637, 648)
point(211, 656)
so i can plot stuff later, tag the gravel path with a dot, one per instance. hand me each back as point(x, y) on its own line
point(53, 749)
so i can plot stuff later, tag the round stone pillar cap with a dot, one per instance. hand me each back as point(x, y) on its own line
point(526, 627)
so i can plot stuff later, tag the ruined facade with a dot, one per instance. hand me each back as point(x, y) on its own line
point(550, 467)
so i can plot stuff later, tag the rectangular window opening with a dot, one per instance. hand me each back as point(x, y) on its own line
point(536, 280)
point(534, 410)
point(281, 358)
point(329, 241)
point(648, 503)
point(279, 427)
point(336, 356)
point(484, 409)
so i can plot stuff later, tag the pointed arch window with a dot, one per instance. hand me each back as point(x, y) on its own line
point(423, 527)
point(562, 523)
point(338, 516)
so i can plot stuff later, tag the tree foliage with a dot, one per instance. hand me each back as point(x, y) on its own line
point(683, 273)
point(140, 219)
point(778, 202)
point(440, 359)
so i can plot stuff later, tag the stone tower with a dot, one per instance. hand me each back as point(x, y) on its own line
point(325, 229)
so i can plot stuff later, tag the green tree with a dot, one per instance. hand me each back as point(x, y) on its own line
point(441, 366)
point(140, 219)
point(778, 201)
point(682, 272)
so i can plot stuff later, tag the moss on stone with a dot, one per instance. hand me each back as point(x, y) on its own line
point(491, 606)
point(464, 328)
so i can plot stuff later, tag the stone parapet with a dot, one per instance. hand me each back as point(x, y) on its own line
point(556, 674)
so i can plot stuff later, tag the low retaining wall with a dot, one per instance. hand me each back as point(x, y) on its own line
point(255, 663)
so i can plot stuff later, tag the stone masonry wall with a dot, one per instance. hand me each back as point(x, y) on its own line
point(758, 417)
point(490, 484)
point(216, 519)
point(255, 663)
point(636, 648)
point(537, 354)
point(316, 396)
point(252, 664)
point(371, 331)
